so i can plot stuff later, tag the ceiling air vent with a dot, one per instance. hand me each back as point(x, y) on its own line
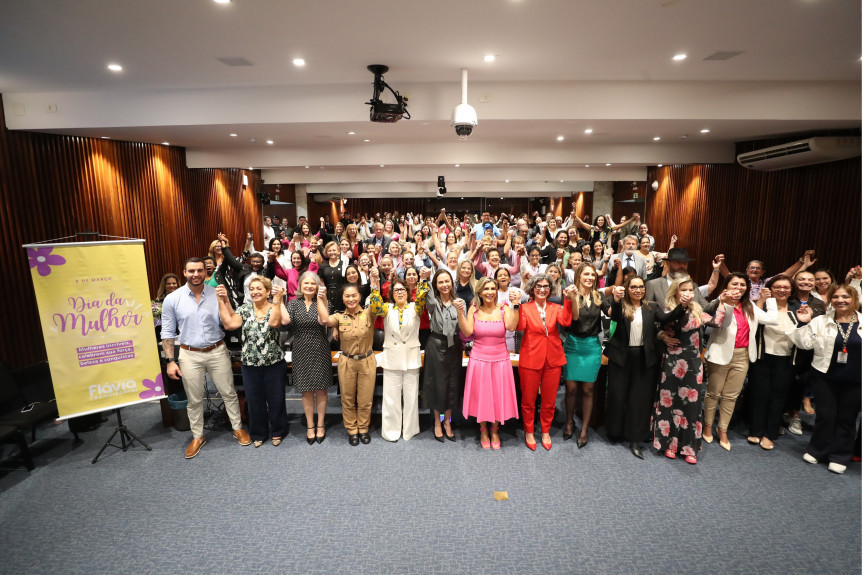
point(234, 61)
point(801, 153)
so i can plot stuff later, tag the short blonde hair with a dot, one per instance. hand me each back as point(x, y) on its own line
point(268, 285)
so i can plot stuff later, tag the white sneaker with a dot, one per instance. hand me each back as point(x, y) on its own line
point(794, 426)
point(809, 459)
point(837, 468)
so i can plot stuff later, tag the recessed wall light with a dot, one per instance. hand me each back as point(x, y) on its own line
point(166, 143)
point(233, 135)
point(106, 137)
point(115, 67)
point(560, 138)
point(679, 57)
point(351, 133)
point(270, 142)
point(705, 131)
point(251, 168)
point(659, 165)
point(299, 62)
point(489, 58)
point(656, 138)
point(588, 131)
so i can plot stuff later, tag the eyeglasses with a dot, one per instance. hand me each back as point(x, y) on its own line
point(400, 290)
point(637, 288)
point(543, 287)
point(755, 268)
point(781, 288)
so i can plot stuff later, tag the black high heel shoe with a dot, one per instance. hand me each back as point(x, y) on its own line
point(320, 438)
point(568, 436)
point(311, 439)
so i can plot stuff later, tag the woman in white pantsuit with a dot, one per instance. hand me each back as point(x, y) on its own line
point(400, 360)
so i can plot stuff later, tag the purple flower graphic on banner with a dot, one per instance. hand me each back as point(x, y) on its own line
point(42, 259)
point(154, 388)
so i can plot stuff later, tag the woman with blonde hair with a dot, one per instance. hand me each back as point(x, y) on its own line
point(677, 425)
point(489, 390)
point(583, 350)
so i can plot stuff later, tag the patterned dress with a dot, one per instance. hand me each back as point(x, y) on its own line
point(677, 414)
point(312, 361)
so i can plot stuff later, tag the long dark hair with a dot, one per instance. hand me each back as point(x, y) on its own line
point(304, 263)
point(745, 303)
point(434, 285)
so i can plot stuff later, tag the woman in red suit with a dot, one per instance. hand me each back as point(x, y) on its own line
point(541, 358)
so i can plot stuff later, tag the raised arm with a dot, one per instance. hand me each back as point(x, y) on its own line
point(276, 310)
point(581, 224)
point(465, 322)
point(230, 319)
point(797, 266)
point(324, 317)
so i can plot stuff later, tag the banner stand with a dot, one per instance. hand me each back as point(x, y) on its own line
point(125, 435)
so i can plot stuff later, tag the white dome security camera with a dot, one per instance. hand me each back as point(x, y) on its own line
point(463, 120)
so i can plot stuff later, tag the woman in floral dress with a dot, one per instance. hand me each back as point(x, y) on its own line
point(677, 424)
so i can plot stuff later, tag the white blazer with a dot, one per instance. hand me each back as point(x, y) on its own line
point(401, 344)
point(820, 335)
point(720, 348)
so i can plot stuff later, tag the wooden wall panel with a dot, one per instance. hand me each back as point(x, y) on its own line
point(53, 186)
point(771, 216)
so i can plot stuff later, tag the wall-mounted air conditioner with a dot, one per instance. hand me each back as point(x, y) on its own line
point(801, 153)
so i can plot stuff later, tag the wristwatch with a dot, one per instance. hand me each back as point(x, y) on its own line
point(515, 306)
point(170, 359)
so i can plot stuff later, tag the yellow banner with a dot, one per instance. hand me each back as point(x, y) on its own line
point(97, 321)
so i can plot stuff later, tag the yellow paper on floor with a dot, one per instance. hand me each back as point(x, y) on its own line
point(501, 496)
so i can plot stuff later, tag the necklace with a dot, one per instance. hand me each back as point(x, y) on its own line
point(845, 335)
point(261, 316)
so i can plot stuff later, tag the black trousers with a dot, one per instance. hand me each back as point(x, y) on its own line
point(835, 420)
point(629, 399)
point(265, 398)
point(770, 378)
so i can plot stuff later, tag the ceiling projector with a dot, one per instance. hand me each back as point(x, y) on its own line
point(381, 111)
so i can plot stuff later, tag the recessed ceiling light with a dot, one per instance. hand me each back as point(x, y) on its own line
point(489, 58)
point(705, 131)
point(115, 67)
point(507, 181)
point(251, 168)
point(233, 135)
point(659, 165)
point(588, 131)
point(270, 142)
point(656, 138)
point(458, 165)
point(366, 140)
point(561, 181)
point(351, 133)
point(307, 167)
point(381, 165)
point(299, 62)
point(607, 164)
point(560, 138)
point(166, 143)
point(587, 165)
point(679, 57)
point(501, 198)
point(222, 1)
point(106, 137)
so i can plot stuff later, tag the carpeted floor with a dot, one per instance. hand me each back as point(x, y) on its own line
point(419, 506)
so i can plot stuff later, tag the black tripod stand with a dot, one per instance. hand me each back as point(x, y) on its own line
point(127, 438)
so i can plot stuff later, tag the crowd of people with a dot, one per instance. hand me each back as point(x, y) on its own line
point(562, 294)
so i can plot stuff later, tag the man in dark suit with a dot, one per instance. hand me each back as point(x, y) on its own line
point(379, 239)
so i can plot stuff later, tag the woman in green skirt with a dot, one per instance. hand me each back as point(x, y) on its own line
point(583, 350)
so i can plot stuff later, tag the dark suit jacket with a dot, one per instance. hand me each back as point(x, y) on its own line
point(652, 316)
point(538, 343)
point(656, 290)
point(385, 244)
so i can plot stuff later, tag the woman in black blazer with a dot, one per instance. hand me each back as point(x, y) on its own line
point(632, 362)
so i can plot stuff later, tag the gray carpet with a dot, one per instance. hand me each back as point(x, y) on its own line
point(419, 506)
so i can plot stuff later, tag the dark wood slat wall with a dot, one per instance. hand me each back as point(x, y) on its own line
point(771, 216)
point(53, 186)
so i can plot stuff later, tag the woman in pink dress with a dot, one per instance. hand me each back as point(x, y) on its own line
point(489, 390)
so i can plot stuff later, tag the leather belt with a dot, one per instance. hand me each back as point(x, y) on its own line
point(363, 356)
point(202, 349)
